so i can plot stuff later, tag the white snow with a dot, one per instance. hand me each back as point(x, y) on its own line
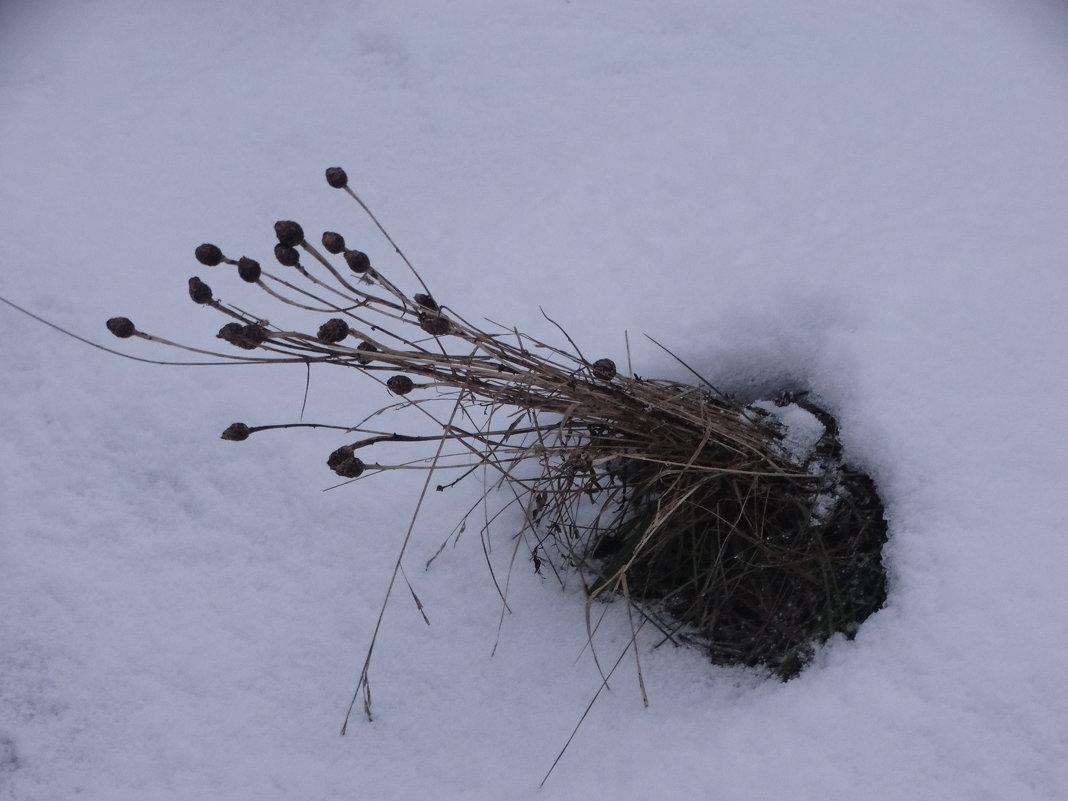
point(800, 428)
point(865, 200)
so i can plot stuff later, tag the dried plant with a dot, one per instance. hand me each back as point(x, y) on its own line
point(675, 497)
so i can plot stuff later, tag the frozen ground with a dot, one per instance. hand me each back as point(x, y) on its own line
point(866, 199)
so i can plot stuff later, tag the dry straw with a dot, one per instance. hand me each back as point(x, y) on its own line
point(674, 497)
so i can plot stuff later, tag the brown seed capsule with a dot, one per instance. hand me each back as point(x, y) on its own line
point(334, 242)
point(287, 256)
point(435, 324)
point(208, 255)
point(426, 301)
point(248, 337)
point(229, 331)
point(336, 177)
point(605, 369)
point(248, 269)
point(344, 463)
point(350, 468)
point(366, 348)
point(289, 233)
point(254, 334)
point(122, 327)
point(236, 432)
point(340, 455)
point(357, 261)
point(333, 330)
point(400, 385)
point(199, 291)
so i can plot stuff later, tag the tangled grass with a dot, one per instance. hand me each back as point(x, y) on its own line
point(676, 498)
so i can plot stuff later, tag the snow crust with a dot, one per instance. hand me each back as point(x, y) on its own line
point(867, 201)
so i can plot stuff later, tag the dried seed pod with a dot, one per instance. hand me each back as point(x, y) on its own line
point(289, 233)
point(426, 301)
point(248, 269)
point(287, 256)
point(365, 348)
point(199, 291)
point(229, 331)
point(333, 330)
point(122, 327)
point(344, 463)
point(357, 261)
point(350, 468)
point(400, 385)
point(236, 432)
point(254, 334)
point(248, 337)
point(340, 455)
point(336, 177)
point(435, 324)
point(334, 242)
point(209, 255)
point(605, 369)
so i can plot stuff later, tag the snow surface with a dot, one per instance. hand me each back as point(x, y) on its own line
point(801, 430)
point(866, 200)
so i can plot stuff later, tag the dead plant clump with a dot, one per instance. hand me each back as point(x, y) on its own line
point(677, 498)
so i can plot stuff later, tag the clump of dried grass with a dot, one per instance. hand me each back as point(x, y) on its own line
point(675, 497)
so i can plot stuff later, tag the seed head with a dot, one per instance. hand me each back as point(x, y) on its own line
point(255, 334)
point(333, 330)
point(336, 177)
point(340, 455)
point(248, 269)
point(289, 233)
point(333, 242)
point(605, 369)
point(199, 291)
point(366, 348)
point(287, 256)
point(344, 463)
point(357, 261)
point(236, 432)
point(426, 301)
point(400, 385)
point(247, 337)
point(229, 331)
point(208, 255)
point(122, 327)
point(435, 324)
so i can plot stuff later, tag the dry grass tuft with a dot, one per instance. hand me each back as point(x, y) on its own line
point(676, 498)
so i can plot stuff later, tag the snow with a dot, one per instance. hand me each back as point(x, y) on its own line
point(801, 429)
point(866, 201)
